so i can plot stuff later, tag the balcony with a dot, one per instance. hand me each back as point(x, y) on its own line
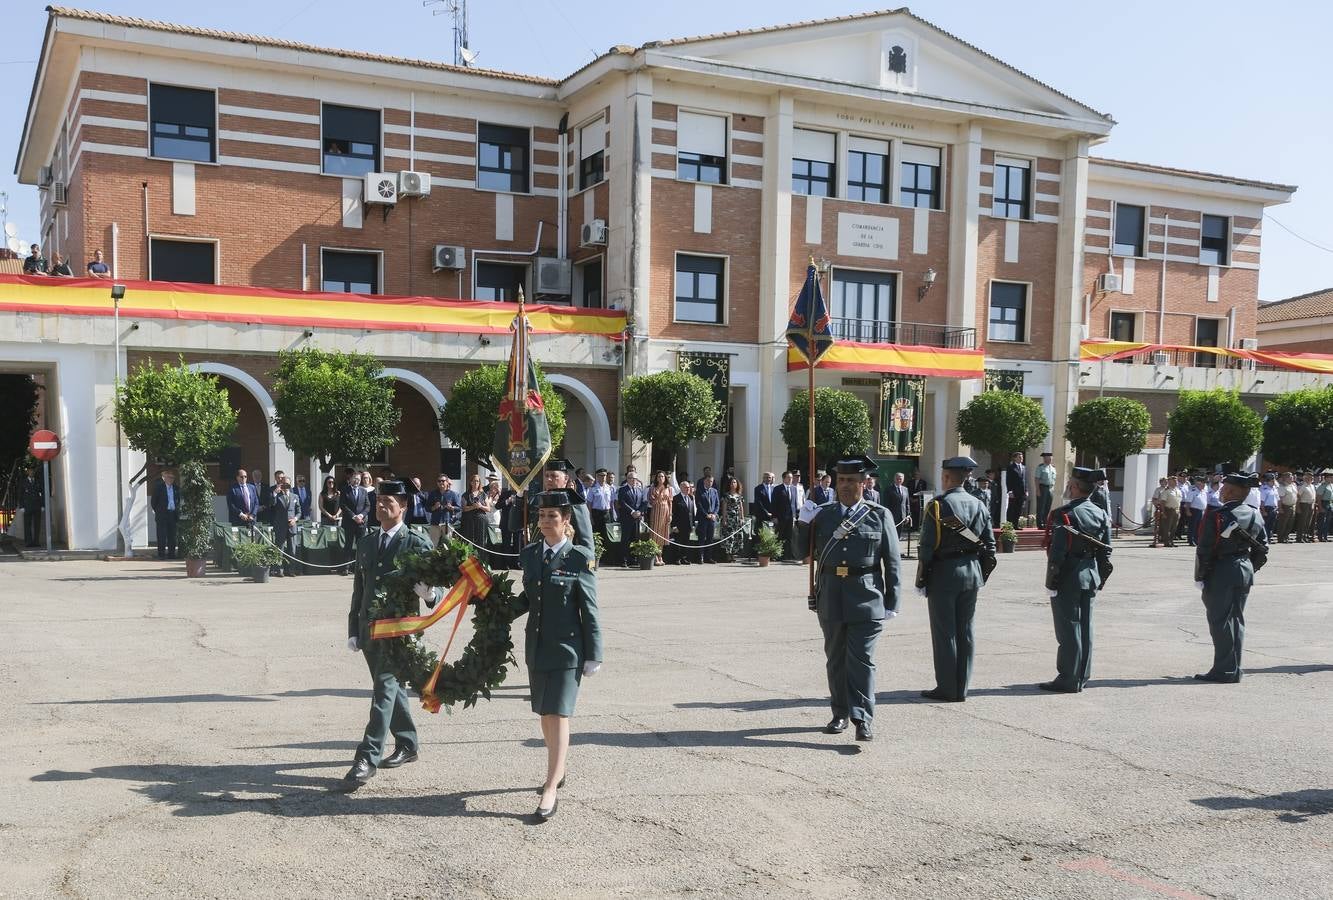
point(1194, 359)
point(870, 331)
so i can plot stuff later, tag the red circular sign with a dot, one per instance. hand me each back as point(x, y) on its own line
point(44, 445)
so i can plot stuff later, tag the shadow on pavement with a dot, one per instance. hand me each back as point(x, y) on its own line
point(1294, 806)
point(749, 737)
point(279, 790)
point(1289, 670)
point(754, 705)
point(214, 698)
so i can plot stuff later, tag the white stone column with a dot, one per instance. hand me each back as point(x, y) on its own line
point(964, 219)
point(774, 282)
point(1069, 325)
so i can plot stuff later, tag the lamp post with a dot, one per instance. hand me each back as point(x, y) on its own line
point(118, 294)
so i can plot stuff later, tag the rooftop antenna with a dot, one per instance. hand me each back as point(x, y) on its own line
point(457, 10)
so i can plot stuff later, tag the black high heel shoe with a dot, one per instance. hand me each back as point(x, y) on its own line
point(545, 814)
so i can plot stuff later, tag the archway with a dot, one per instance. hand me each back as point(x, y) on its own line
point(603, 451)
point(270, 451)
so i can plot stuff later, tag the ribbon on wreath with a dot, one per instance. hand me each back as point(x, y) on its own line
point(473, 581)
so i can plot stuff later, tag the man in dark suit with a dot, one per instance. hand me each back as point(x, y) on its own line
point(699, 485)
point(631, 506)
point(710, 511)
point(898, 501)
point(784, 513)
point(822, 492)
point(242, 500)
point(762, 507)
point(265, 491)
point(356, 510)
point(284, 511)
point(416, 503)
point(683, 514)
point(302, 493)
point(916, 486)
point(166, 512)
point(1016, 483)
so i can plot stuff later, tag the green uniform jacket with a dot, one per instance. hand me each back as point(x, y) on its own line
point(370, 569)
point(1078, 565)
point(562, 630)
point(579, 517)
point(953, 563)
point(872, 548)
point(1224, 562)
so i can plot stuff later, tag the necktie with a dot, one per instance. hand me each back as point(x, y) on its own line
point(245, 492)
point(550, 555)
point(846, 513)
point(384, 542)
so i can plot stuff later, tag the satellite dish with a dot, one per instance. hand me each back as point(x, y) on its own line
point(469, 55)
point(11, 230)
point(16, 245)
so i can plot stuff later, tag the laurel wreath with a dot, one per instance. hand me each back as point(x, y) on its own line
point(484, 662)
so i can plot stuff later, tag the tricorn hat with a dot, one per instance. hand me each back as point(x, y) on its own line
point(854, 465)
point(965, 463)
point(557, 464)
point(1242, 479)
point(553, 500)
point(391, 489)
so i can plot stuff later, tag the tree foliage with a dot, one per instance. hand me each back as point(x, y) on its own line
point(18, 410)
point(470, 416)
point(1002, 422)
point(1298, 431)
point(842, 424)
point(668, 409)
point(1109, 428)
point(174, 413)
point(333, 407)
point(196, 521)
point(1213, 427)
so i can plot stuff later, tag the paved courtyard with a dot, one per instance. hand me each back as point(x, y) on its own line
point(174, 738)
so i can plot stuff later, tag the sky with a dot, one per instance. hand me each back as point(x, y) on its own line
point(1225, 86)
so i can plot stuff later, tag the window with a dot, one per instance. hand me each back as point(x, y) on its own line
point(590, 281)
point(864, 305)
point(1206, 334)
point(1213, 242)
point(349, 272)
point(182, 123)
point(701, 148)
point(812, 166)
point(867, 170)
point(1128, 230)
point(920, 185)
point(351, 140)
point(1008, 311)
point(1011, 191)
point(189, 261)
point(1122, 326)
point(500, 281)
point(699, 289)
point(592, 154)
point(502, 158)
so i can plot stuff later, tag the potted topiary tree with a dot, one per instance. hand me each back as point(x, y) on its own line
point(767, 546)
point(842, 424)
point(255, 558)
point(668, 410)
point(196, 522)
point(645, 551)
point(1008, 537)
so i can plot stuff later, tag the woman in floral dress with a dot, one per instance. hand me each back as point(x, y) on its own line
point(659, 511)
point(733, 518)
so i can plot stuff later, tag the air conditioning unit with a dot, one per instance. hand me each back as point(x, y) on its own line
point(593, 234)
point(1161, 358)
point(1110, 281)
point(414, 184)
point(447, 257)
point(554, 276)
point(1249, 343)
point(381, 188)
point(59, 193)
point(44, 176)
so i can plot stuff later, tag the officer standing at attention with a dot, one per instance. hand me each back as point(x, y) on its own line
point(855, 546)
point(1045, 488)
point(376, 558)
point(956, 553)
point(556, 476)
point(1232, 547)
point(1076, 535)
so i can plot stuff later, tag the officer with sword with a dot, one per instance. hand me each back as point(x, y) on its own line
point(855, 545)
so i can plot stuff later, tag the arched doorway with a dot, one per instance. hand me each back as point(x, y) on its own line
point(416, 450)
point(587, 426)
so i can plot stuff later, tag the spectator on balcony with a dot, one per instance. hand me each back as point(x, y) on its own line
point(60, 266)
point(97, 268)
point(35, 263)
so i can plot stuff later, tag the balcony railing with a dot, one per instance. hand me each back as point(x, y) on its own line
point(1196, 359)
point(870, 331)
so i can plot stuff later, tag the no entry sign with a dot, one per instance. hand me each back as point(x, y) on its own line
point(44, 445)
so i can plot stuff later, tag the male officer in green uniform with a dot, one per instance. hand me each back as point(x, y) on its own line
point(556, 477)
point(1232, 545)
point(1076, 535)
point(956, 553)
point(855, 545)
point(376, 558)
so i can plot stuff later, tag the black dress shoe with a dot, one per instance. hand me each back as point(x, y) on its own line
point(361, 771)
point(836, 725)
point(940, 697)
point(1056, 687)
point(399, 756)
point(545, 814)
point(1217, 678)
point(864, 732)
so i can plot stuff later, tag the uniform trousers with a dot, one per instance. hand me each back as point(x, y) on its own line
point(951, 614)
point(1286, 517)
point(1325, 523)
point(1270, 521)
point(1169, 519)
point(849, 655)
point(390, 711)
point(1225, 605)
point(1071, 611)
point(351, 534)
point(1043, 504)
point(1304, 519)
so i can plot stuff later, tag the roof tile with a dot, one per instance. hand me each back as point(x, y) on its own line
point(1316, 304)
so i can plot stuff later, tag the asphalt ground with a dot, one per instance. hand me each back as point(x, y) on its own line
point(167, 737)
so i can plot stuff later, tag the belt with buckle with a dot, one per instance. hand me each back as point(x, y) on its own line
point(852, 571)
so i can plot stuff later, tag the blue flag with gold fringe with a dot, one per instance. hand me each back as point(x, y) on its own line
point(808, 329)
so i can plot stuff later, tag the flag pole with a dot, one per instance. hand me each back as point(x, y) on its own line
point(522, 498)
point(810, 424)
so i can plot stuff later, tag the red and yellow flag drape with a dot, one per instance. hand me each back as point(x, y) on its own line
point(1106, 351)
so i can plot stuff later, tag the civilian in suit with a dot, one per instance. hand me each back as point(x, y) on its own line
point(303, 497)
point(242, 500)
point(683, 515)
point(871, 492)
point(265, 491)
point(166, 512)
point(1016, 484)
point(356, 511)
point(762, 508)
point(631, 507)
point(784, 512)
point(699, 485)
point(442, 508)
point(284, 511)
point(917, 485)
point(822, 492)
point(416, 499)
point(710, 513)
point(898, 501)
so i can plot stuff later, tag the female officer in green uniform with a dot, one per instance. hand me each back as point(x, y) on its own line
point(563, 641)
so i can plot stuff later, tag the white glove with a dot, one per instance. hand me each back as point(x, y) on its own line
point(591, 667)
point(1199, 585)
point(353, 644)
point(808, 511)
point(890, 613)
point(1054, 594)
point(426, 593)
point(922, 592)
